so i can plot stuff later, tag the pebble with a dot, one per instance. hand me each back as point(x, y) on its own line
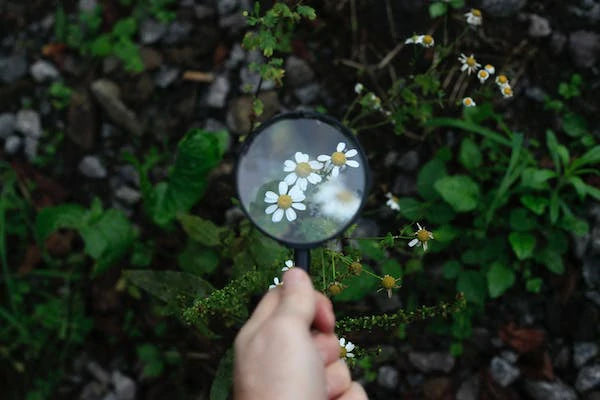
point(217, 92)
point(409, 161)
point(108, 95)
point(91, 167)
point(128, 195)
point(430, 362)
point(177, 32)
point(584, 352)
point(151, 31)
point(308, 94)
point(165, 77)
point(544, 390)
point(404, 185)
point(236, 55)
point(227, 6)
point(240, 108)
point(502, 8)
point(43, 71)
point(593, 296)
point(130, 175)
point(387, 377)
point(12, 68)
point(31, 148)
point(87, 5)
point(249, 81)
point(125, 387)
point(92, 391)
point(591, 271)
point(12, 144)
point(539, 26)
point(203, 11)
point(28, 123)
point(99, 373)
point(469, 389)
point(7, 124)
point(588, 378)
point(298, 72)
point(503, 371)
point(584, 47)
point(558, 42)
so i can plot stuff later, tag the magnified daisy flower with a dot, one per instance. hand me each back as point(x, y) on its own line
point(346, 349)
point(358, 88)
point(474, 17)
point(469, 64)
point(336, 200)
point(468, 102)
point(501, 80)
point(302, 171)
point(339, 159)
point(422, 236)
point(392, 202)
point(289, 264)
point(423, 40)
point(506, 91)
point(284, 202)
point(483, 75)
point(275, 283)
point(490, 69)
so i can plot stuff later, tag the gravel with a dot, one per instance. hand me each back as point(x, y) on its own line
point(544, 390)
point(588, 378)
point(12, 68)
point(503, 371)
point(92, 167)
point(584, 47)
point(430, 362)
point(7, 124)
point(387, 377)
point(217, 92)
point(12, 144)
point(43, 71)
point(584, 352)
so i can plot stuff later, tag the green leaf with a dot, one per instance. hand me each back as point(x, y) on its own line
point(522, 244)
point(451, 269)
point(574, 225)
point(521, 220)
point(460, 191)
point(536, 178)
point(500, 278)
point(358, 288)
point(201, 230)
point(534, 285)
point(101, 46)
point(197, 259)
point(64, 216)
point(410, 208)
point(574, 125)
point(439, 213)
point(125, 27)
point(554, 207)
point(536, 204)
point(473, 285)
point(469, 155)
point(558, 152)
point(457, 3)
point(429, 174)
point(306, 12)
point(437, 9)
point(221, 385)
point(592, 156)
point(551, 259)
point(172, 287)
point(579, 185)
point(258, 107)
point(151, 359)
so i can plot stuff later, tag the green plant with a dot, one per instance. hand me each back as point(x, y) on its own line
point(60, 95)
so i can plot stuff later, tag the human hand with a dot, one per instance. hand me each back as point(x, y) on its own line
point(288, 350)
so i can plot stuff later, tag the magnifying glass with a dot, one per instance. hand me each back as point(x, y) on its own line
point(302, 178)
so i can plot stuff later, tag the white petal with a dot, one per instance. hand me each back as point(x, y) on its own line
point(324, 158)
point(290, 214)
point(299, 206)
point(350, 346)
point(277, 215)
point(413, 242)
point(283, 188)
point(419, 226)
point(296, 194)
point(298, 157)
point(351, 153)
point(289, 166)
point(352, 163)
point(276, 280)
point(271, 209)
point(303, 157)
point(349, 355)
point(289, 263)
point(271, 197)
point(335, 172)
point(291, 178)
point(302, 183)
point(464, 67)
point(315, 164)
point(272, 287)
point(340, 146)
point(314, 178)
point(424, 246)
point(342, 342)
point(284, 269)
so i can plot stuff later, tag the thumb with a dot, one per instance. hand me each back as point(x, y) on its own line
point(298, 298)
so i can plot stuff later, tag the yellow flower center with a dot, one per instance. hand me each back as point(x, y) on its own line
point(476, 12)
point(338, 158)
point(471, 61)
point(507, 91)
point(284, 201)
point(343, 352)
point(355, 268)
point(344, 196)
point(483, 74)
point(303, 169)
point(335, 289)
point(427, 39)
point(388, 282)
point(489, 67)
point(423, 235)
point(468, 102)
point(502, 79)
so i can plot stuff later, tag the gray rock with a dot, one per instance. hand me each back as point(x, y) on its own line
point(165, 77)
point(125, 387)
point(28, 123)
point(91, 167)
point(543, 390)
point(217, 92)
point(227, 6)
point(558, 42)
point(130, 175)
point(99, 373)
point(87, 5)
point(203, 11)
point(503, 372)
point(584, 47)
point(31, 147)
point(233, 215)
point(502, 8)
point(213, 125)
point(584, 352)
point(539, 26)
point(12, 144)
point(240, 108)
point(469, 389)
point(509, 356)
point(536, 93)
point(12, 68)
point(177, 32)
point(430, 362)
point(562, 359)
point(43, 71)
point(128, 195)
point(249, 81)
point(7, 125)
point(593, 296)
point(92, 391)
point(234, 22)
point(409, 161)
point(588, 378)
point(152, 30)
point(404, 185)
point(387, 377)
point(390, 158)
point(108, 95)
point(308, 94)
point(298, 72)
point(236, 56)
point(591, 271)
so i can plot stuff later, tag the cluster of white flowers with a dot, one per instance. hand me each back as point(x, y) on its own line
point(289, 264)
point(470, 64)
point(423, 40)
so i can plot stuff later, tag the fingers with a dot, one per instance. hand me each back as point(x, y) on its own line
point(324, 316)
point(263, 310)
point(328, 346)
point(297, 297)
point(337, 378)
point(355, 392)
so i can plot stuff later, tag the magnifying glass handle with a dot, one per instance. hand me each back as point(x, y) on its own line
point(302, 259)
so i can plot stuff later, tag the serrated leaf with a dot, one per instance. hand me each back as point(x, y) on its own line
point(522, 244)
point(197, 259)
point(460, 191)
point(201, 230)
point(64, 216)
point(500, 278)
point(469, 154)
point(574, 225)
point(307, 12)
point(473, 285)
point(574, 125)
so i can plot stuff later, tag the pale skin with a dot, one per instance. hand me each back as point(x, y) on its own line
point(288, 350)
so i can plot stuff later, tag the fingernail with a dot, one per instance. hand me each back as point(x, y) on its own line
point(294, 277)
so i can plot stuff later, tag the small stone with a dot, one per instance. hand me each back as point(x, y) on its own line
point(249, 81)
point(108, 95)
point(217, 92)
point(130, 175)
point(430, 362)
point(404, 185)
point(177, 32)
point(7, 124)
point(509, 356)
point(203, 11)
point(213, 125)
point(235, 23)
point(165, 77)
point(91, 167)
point(110, 64)
point(227, 6)
point(151, 31)
point(503, 372)
point(92, 391)
point(236, 56)
point(409, 161)
point(31, 148)
point(593, 296)
point(536, 93)
point(588, 378)
point(298, 72)
point(240, 108)
point(308, 94)
point(469, 389)
point(12, 144)
point(12, 68)
point(87, 5)
point(28, 123)
point(558, 42)
point(124, 386)
point(584, 47)
point(387, 377)
point(584, 352)
point(98, 372)
point(43, 71)
point(562, 360)
point(128, 195)
point(591, 271)
point(437, 388)
point(543, 390)
point(539, 26)
point(502, 8)
point(151, 58)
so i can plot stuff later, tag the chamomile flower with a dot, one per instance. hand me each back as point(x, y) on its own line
point(339, 159)
point(392, 202)
point(474, 17)
point(501, 80)
point(276, 283)
point(336, 201)
point(422, 237)
point(483, 75)
point(490, 69)
point(284, 202)
point(358, 88)
point(302, 171)
point(469, 64)
point(388, 283)
point(423, 40)
point(468, 102)
point(506, 91)
point(346, 349)
point(289, 264)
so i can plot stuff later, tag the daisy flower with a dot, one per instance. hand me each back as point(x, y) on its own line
point(490, 69)
point(422, 236)
point(501, 80)
point(346, 349)
point(388, 283)
point(468, 102)
point(289, 264)
point(358, 88)
point(275, 283)
point(302, 171)
point(469, 64)
point(392, 202)
point(474, 17)
point(284, 202)
point(423, 40)
point(336, 201)
point(506, 91)
point(339, 159)
point(483, 75)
